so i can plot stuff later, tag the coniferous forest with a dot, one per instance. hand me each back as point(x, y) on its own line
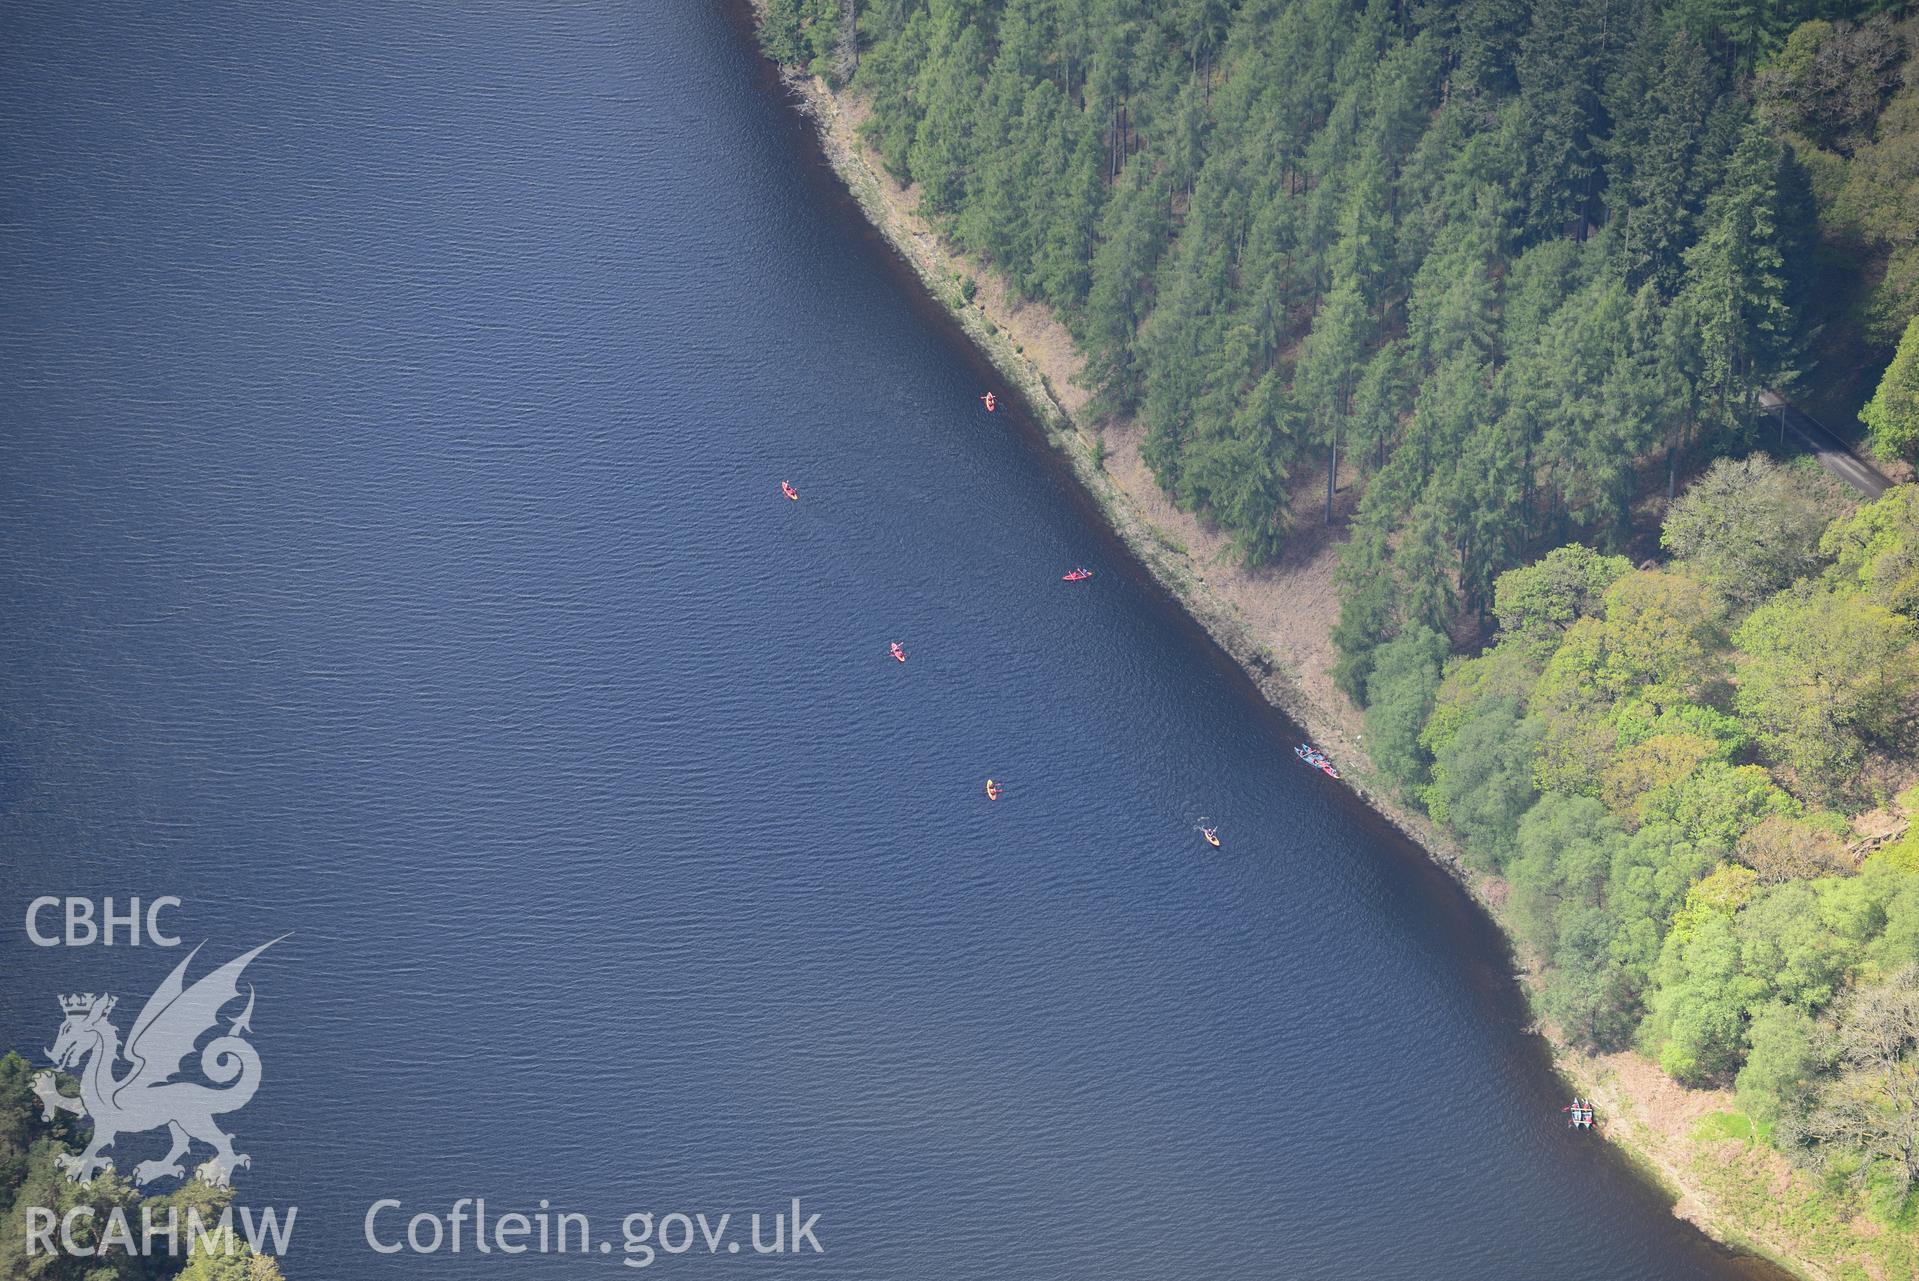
point(1524, 268)
point(1504, 257)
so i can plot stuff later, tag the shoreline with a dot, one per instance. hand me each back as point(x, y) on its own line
point(1646, 1117)
point(1165, 553)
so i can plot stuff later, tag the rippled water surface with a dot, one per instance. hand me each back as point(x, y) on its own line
point(392, 409)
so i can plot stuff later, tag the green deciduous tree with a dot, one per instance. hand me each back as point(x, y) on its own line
point(1543, 599)
point(1864, 1121)
point(1892, 415)
point(1824, 675)
point(1646, 775)
point(1696, 1019)
point(1781, 1064)
point(1749, 527)
point(1399, 698)
point(1483, 777)
point(1876, 549)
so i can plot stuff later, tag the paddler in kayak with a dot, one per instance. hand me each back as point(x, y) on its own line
point(990, 401)
point(1079, 575)
point(897, 651)
point(992, 790)
point(1212, 836)
point(789, 491)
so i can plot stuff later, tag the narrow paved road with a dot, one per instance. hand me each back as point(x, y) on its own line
point(1838, 459)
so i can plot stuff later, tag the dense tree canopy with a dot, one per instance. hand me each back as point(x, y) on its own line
point(1510, 267)
point(1749, 528)
point(1490, 256)
point(1662, 771)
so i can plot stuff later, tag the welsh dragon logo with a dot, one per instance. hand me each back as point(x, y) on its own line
point(146, 1096)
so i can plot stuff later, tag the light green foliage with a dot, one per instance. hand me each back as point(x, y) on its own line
point(1695, 1023)
point(1786, 939)
point(1640, 781)
point(1465, 693)
point(1601, 757)
point(1564, 857)
point(1507, 669)
point(1656, 643)
point(1652, 873)
point(1609, 757)
point(1543, 599)
point(1892, 415)
point(1877, 550)
point(1894, 885)
point(1718, 801)
point(1399, 698)
point(224, 1258)
point(1781, 1063)
point(1749, 527)
point(1722, 892)
point(1825, 675)
point(1639, 720)
point(1736, 946)
point(1902, 854)
point(1569, 854)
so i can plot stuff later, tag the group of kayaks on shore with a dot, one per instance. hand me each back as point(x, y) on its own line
point(1316, 758)
point(1580, 1115)
point(1079, 574)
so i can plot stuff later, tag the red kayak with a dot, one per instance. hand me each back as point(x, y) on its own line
point(897, 651)
point(990, 401)
point(1077, 576)
point(789, 491)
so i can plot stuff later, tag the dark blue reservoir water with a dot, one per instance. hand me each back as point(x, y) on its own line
point(392, 408)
